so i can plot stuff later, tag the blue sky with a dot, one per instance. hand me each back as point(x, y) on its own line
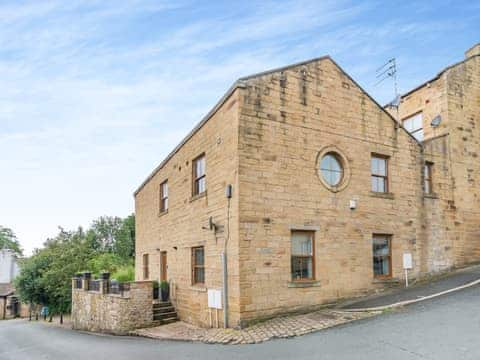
point(93, 94)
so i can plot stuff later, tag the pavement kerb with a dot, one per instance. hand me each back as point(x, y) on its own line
point(413, 301)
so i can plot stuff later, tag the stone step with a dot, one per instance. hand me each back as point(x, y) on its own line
point(168, 321)
point(165, 316)
point(164, 313)
point(162, 304)
point(163, 310)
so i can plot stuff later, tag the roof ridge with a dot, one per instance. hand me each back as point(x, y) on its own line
point(439, 74)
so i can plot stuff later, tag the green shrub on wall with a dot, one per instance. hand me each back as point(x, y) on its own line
point(124, 274)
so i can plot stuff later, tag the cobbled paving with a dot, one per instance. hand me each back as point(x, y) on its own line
point(277, 328)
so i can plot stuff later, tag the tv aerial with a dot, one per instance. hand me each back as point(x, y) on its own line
point(389, 71)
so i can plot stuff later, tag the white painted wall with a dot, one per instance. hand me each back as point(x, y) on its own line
point(8, 266)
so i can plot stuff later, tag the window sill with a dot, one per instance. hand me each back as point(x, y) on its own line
point(161, 213)
point(199, 288)
point(198, 196)
point(385, 280)
point(303, 284)
point(389, 196)
point(431, 196)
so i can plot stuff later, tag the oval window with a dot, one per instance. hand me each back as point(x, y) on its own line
point(331, 169)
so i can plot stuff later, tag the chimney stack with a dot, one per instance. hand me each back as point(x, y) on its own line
point(474, 50)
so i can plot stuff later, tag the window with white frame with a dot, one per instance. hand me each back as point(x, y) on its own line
point(414, 125)
point(164, 196)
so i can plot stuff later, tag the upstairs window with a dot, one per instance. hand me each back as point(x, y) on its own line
point(414, 125)
point(145, 267)
point(199, 177)
point(427, 178)
point(379, 174)
point(164, 196)
point(331, 169)
point(303, 261)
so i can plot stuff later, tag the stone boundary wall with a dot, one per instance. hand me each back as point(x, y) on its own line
point(99, 311)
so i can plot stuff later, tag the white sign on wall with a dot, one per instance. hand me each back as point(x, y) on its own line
point(214, 299)
point(407, 261)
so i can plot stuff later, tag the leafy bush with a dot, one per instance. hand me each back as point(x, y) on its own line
point(106, 262)
point(124, 274)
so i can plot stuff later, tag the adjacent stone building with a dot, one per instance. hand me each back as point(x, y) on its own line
point(9, 304)
point(314, 191)
point(8, 266)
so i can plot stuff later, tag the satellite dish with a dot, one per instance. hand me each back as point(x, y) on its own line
point(436, 121)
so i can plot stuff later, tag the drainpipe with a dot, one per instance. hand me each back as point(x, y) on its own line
point(225, 289)
point(228, 193)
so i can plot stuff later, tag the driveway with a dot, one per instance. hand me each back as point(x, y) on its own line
point(444, 328)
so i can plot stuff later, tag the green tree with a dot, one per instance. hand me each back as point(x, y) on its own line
point(109, 262)
point(45, 277)
point(125, 238)
point(8, 240)
point(29, 283)
point(108, 245)
point(103, 233)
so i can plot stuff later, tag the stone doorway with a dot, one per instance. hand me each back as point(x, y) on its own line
point(163, 266)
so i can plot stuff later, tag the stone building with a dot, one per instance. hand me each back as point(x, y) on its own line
point(328, 190)
point(8, 266)
point(9, 306)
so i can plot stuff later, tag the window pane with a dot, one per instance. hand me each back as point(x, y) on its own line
point(325, 163)
point(427, 187)
point(302, 268)
point(381, 255)
point(408, 125)
point(199, 275)
point(418, 135)
point(414, 125)
point(199, 258)
point(379, 166)
point(333, 163)
point(378, 184)
point(374, 184)
point(165, 190)
point(417, 121)
point(331, 169)
point(200, 185)
point(200, 167)
point(335, 177)
point(382, 167)
point(374, 165)
point(381, 185)
point(380, 247)
point(301, 243)
point(381, 266)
